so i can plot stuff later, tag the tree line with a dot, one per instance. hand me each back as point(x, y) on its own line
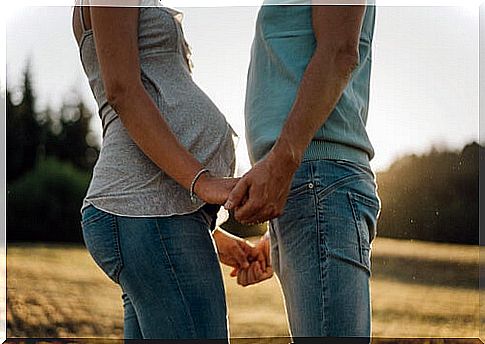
point(432, 197)
point(50, 155)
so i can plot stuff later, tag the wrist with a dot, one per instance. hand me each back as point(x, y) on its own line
point(199, 183)
point(286, 155)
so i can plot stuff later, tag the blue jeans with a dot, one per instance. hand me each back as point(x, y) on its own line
point(321, 246)
point(168, 271)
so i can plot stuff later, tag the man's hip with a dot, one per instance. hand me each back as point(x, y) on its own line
point(321, 248)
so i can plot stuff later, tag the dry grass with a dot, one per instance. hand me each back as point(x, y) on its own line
point(419, 290)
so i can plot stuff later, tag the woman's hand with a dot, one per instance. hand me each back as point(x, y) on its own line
point(233, 251)
point(214, 190)
point(251, 264)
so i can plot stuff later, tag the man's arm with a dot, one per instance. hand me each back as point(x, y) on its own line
point(337, 33)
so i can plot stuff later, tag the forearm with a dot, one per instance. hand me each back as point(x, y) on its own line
point(321, 87)
point(149, 130)
point(115, 31)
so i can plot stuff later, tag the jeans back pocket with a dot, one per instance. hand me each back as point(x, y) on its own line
point(365, 211)
point(100, 233)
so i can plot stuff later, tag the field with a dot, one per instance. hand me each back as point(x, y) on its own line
point(418, 290)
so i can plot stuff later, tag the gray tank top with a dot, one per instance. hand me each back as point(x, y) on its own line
point(125, 181)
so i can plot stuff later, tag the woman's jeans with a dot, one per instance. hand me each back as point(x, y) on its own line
point(168, 270)
point(320, 249)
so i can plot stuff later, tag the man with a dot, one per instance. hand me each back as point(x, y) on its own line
point(306, 109)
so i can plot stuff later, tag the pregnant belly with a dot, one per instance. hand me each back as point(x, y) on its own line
point(191, 115)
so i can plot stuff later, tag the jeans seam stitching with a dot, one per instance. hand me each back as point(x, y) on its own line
point(116, 237)
point(174, 276)
point(339, 183)
point(365, 199)
point(357, 219)
point(322, 255)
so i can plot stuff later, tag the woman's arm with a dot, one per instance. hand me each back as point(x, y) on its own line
point(116, 37)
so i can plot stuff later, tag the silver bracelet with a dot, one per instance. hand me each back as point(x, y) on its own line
point(193, 197)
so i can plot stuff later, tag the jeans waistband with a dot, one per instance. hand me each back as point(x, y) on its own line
point(319, 150)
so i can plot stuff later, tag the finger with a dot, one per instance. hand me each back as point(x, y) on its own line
point(242, 277)
point(268, 212)
point(263, 261)
point(256, 210)
point(248, 249)
point(249, 212)
point(253, 207)
point(259, 256)
point(247, 246)
point(240, 256)
point(254, 271)
point(237, 194)
point(245, 198)
point(258, 272)
point(234, 272)
point(224, 187)
point(254, 215)
point(267, 274)
point(266, 250)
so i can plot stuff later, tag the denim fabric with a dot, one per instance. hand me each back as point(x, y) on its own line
point(321, 247)
point(168, 270)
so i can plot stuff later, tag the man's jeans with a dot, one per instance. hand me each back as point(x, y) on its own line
point(320, 249)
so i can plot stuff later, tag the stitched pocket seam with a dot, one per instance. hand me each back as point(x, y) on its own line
point(339, 183)
point(94, 218)
point(117, 248)
point(364, 199)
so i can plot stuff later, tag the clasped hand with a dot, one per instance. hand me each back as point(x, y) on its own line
point(251, 264)
point(258, 196)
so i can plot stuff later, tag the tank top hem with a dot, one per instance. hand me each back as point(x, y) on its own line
point(94, 203)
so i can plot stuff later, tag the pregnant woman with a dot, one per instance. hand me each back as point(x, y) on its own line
point(166, 154)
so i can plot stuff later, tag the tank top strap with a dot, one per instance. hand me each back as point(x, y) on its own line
point(81, 16)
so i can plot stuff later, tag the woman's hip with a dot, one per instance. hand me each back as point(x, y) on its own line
point(177, 242)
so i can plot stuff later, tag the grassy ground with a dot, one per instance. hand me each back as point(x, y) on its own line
point(419, 290)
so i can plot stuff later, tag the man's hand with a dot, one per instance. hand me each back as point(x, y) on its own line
point(266, 186)
point(261, 193)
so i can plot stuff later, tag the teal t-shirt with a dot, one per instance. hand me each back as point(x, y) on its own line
point(283, 45)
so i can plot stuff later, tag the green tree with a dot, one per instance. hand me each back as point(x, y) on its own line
point(67, 138)
point(23, 131)
point(32, 136)
point(432, 197)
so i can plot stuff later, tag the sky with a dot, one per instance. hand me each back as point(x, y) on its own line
point(424, 87)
